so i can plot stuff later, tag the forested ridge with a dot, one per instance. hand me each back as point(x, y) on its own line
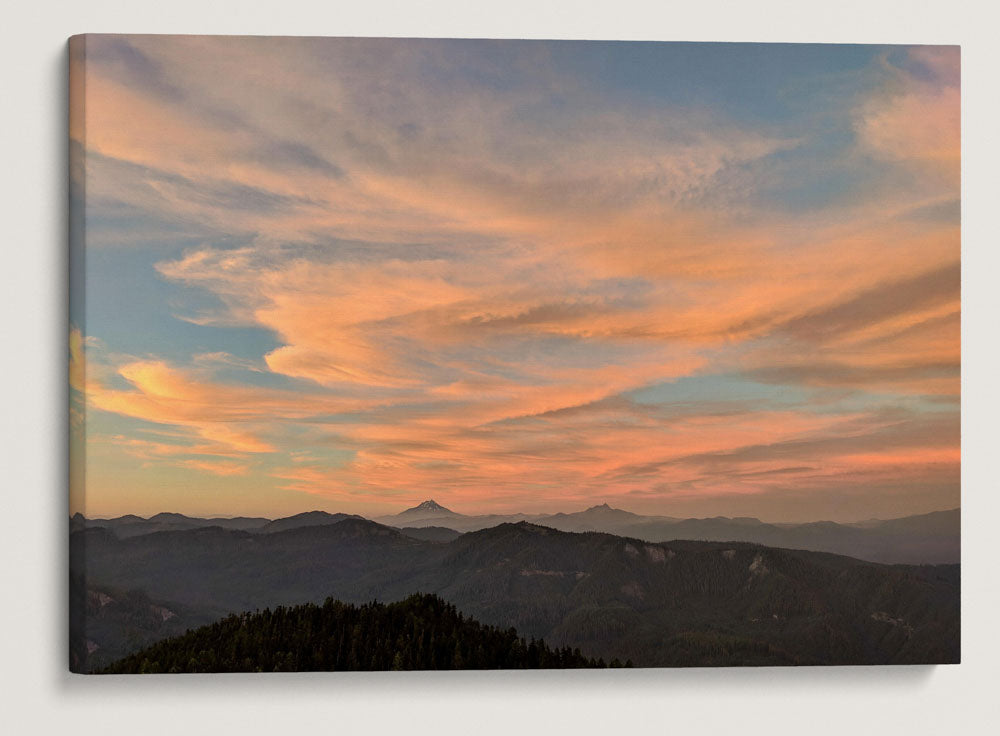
point(422, 632)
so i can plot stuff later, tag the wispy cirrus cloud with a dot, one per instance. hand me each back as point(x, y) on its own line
point(470, 256)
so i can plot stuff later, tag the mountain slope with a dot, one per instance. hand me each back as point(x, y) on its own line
point(420, 633)
point(676, 603)
point(107, 623)
point(694, 603)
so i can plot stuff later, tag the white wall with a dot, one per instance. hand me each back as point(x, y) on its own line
point(39, 696)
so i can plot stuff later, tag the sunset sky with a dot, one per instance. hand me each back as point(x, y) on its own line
point(354, 274)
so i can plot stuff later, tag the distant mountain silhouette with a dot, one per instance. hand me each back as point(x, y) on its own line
point(131, 525)
point(596, 518)
point(675, 603)
point(422, 632)
point(309, 518)
point(928, 538)
point(427, 507)
point(925, 539)
point(428, 513)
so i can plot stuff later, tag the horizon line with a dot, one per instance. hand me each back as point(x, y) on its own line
point(514, 513)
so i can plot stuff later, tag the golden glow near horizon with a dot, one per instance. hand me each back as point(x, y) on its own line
point(352, 274)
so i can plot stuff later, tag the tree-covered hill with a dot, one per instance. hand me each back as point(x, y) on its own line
point(422, 632)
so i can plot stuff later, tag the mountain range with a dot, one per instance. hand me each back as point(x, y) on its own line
point(924, 539)
point(671, 603)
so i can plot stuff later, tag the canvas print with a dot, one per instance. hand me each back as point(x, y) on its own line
point(416, 354)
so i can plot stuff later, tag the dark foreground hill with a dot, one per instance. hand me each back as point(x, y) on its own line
point(422, 632)
point(665, 604)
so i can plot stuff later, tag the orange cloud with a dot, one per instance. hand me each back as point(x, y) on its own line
point(230, 419)
point(462, 299)
point(917, 119)
point(215, 468)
